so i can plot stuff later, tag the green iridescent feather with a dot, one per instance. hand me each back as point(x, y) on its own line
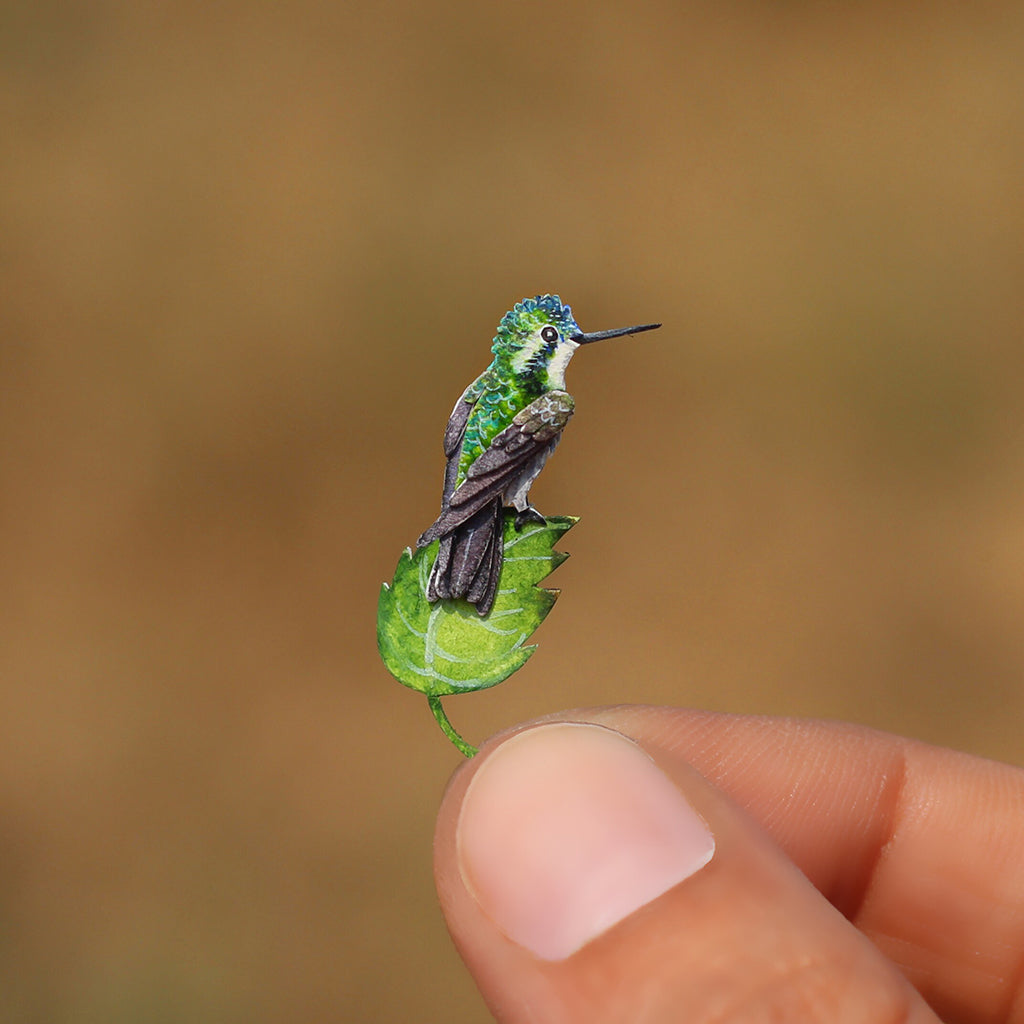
point(499, 393)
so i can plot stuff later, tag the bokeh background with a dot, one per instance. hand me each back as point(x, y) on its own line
point(252, 252)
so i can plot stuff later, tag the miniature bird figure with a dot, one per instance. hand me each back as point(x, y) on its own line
point(501, 432)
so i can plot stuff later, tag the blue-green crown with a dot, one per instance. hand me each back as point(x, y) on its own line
point(526, 316)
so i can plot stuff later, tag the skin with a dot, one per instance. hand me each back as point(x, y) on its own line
point(856, 876)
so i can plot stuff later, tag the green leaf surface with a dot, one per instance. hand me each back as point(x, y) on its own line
point(446, 647)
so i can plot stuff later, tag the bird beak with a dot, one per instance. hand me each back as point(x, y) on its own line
point(586, 339)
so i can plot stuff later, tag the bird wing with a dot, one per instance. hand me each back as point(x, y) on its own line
point(453, 434)
point(531, 433)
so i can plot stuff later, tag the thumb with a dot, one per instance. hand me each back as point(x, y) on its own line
point(586, 880)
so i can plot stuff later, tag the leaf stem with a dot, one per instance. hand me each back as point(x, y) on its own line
point(448, 729)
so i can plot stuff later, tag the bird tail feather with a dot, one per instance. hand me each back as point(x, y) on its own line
point(468, 563)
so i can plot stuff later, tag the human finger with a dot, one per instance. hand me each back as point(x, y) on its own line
point(587, 878)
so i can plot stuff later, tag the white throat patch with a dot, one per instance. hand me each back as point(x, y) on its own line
point(559, 361)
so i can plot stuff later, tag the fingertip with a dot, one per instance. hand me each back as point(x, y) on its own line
point(585, 878)
point(567, 829)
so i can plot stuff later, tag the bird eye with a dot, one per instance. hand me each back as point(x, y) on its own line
point(549, 334)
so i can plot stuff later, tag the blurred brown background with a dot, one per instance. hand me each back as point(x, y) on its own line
point(252, 252)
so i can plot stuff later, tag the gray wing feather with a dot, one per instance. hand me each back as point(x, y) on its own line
point(453, 434)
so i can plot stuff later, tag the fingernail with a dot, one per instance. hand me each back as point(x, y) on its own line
point(567, 829)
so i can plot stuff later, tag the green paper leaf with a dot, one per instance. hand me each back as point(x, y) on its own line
point(446, 647)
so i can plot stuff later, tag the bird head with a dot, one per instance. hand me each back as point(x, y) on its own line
point(537, 337)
